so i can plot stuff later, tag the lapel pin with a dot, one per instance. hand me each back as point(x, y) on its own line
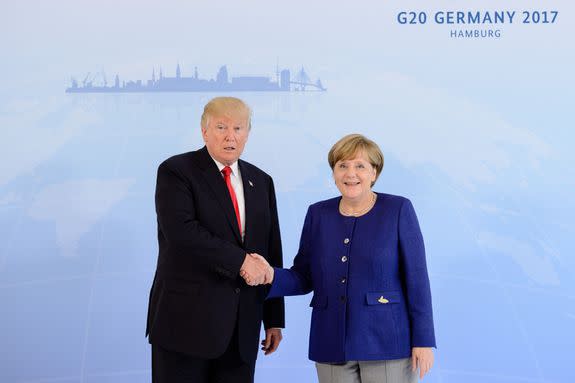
point(251, 183)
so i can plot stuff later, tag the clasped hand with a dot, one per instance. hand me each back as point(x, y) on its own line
point(256, 270)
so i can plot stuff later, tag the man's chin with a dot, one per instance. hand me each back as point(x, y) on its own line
point(228, 160)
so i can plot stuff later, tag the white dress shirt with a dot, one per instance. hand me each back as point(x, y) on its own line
point(236, 180)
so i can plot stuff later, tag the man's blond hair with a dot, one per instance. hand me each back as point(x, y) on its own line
point(226, 106)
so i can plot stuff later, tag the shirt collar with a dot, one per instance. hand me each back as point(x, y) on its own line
point(221, 166)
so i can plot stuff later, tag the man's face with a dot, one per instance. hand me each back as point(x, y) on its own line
point(226, 136)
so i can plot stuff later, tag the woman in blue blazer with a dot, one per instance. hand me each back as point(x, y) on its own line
point(363, 257)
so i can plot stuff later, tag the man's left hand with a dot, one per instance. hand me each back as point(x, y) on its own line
point(272, 340)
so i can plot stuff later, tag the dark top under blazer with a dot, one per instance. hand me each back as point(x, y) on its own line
point(372, 298)
point(197, 295)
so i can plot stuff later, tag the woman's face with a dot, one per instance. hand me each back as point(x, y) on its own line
point(353, 177)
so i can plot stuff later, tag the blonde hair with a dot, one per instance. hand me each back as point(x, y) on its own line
point(353, 144)
point(225, 106)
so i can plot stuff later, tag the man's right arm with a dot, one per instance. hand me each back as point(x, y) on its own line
point(184, 234)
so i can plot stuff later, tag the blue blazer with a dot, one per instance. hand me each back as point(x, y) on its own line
point(371, 296)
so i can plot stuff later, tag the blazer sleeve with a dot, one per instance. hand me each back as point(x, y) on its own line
point(412, 259)
point(296, 280)
point(182, 231)
point(274, 309)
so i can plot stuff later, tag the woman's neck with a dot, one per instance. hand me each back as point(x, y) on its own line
point(354, 207)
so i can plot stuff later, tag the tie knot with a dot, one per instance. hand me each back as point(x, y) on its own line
point(227, 171)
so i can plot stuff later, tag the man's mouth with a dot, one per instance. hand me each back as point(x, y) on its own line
point(229, 148)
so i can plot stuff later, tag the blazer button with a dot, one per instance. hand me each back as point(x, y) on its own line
point(342, 298)
point(237, 290)
point(343, 280)
point(344, 259)
point(346, 241)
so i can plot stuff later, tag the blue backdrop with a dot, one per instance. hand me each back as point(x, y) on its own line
point(473, 110)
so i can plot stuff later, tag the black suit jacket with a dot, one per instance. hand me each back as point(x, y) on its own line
point(198, 297)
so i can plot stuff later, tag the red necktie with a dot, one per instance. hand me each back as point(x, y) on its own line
point(227, 171)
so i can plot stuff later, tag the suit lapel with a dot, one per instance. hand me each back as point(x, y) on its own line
point(250, 199)
point(216, 182)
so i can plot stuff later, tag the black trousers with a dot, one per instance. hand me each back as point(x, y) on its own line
point(174, 367)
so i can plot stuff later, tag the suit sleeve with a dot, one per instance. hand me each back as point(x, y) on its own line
point(296, 280)
point(274, 309)
point(412, 258)
point(182, 231)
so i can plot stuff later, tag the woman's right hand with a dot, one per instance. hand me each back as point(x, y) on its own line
point(268, 271)
point(269, 275)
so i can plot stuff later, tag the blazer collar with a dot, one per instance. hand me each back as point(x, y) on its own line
point(250, 198)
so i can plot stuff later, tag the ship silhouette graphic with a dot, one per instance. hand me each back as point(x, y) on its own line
point(97, 83)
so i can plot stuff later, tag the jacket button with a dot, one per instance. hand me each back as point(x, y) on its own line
point(346, 241)
point(344, 259)
point(343, 280)
point(342, 298)
point(237, 290)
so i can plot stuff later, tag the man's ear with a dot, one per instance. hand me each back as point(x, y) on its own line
point(203, 133)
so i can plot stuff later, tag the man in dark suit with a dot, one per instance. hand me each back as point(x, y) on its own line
point(213, 210)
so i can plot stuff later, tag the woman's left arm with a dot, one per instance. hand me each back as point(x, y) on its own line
point(416, 279)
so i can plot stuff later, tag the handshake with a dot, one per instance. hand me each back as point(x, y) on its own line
point(256, 270)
